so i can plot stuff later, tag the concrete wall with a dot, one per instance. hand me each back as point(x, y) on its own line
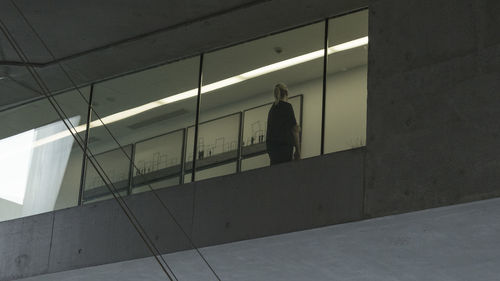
point(294, 196)
point(433, 104)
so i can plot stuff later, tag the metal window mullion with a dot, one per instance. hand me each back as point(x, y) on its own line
point(197, 120)
point(239, 148)
point(323, 105)
point(131, 170)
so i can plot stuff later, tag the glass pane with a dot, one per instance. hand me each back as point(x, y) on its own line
point(345, 126)
point(242, 79)
point(149, 109)
point(41, 162)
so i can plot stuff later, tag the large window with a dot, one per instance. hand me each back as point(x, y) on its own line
point(197, 118)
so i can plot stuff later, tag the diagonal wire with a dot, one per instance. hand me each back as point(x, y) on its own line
point(63, 119)
point(128, 212)
point(118, 143)
point(62, 115)
point(170, 213)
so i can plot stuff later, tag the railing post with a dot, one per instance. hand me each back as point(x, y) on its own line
point(323, 106)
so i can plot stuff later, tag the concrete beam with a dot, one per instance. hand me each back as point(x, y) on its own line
point(277, 200)
point(298, 195)
point(451, 243)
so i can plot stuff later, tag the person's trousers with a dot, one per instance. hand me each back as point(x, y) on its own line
point(280, 154)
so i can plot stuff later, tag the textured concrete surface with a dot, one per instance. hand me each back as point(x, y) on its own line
point(312, 192)
point(293, 196)
point(25, 246)
point(433, 102)
point(456, 243)
point(100, 233)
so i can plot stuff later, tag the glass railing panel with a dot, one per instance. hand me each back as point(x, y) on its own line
point(159, 161)
point(217, 149)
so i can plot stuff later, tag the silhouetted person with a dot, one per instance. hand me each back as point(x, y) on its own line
point(282, 129)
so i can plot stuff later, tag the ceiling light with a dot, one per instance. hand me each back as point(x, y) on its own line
point(212, 87)
point(179, 97)
point(221, 84)
point(281, 65)
point(348, 45)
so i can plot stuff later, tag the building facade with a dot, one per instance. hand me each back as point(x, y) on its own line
point(403, 121)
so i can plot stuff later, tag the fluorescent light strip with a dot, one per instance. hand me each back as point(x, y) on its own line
point(348, 45)
point(211, 87)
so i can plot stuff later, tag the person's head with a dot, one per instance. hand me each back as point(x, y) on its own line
point(280, 93)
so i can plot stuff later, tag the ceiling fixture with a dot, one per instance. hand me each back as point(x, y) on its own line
point(210, 87)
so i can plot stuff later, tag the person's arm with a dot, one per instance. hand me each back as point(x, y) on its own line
point(296, 140)
point(268, 132)
point(295, 133)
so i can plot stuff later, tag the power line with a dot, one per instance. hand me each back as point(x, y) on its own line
point(128, 212)
point(191, 242)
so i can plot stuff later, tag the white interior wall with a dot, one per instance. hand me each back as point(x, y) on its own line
point(9, 210)
point(70, 187)
point(345, 126)
point(52, 179)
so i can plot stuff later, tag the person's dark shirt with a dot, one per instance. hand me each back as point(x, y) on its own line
point(280, 123)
